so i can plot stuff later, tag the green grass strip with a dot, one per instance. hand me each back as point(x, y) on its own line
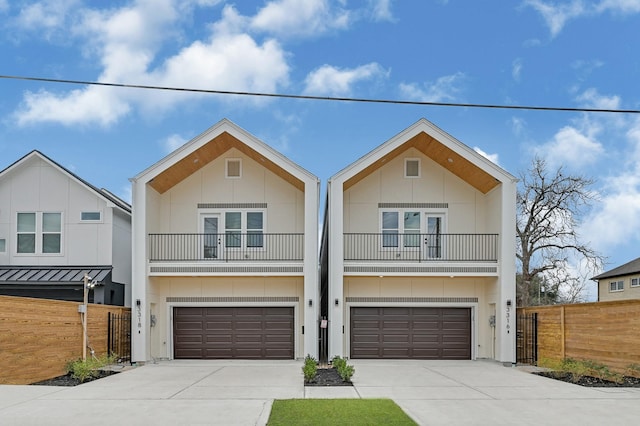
point(334, 412)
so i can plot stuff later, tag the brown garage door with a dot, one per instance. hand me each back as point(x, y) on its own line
point(224, 333)
point(420, 333)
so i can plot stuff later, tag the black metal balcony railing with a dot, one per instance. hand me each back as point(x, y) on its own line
point(229, 247)
point(395, 247)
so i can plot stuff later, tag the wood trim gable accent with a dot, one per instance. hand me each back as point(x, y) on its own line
point(439, 153)
point(213, 149)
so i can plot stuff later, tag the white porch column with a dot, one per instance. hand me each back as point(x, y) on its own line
point(505, 312)
point(311, 282)
point(336, 270)
point(139, 311)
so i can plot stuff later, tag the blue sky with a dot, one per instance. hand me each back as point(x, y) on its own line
point(574, 53)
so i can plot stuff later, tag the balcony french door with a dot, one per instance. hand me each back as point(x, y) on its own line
point(211, 238)
point(433, 238)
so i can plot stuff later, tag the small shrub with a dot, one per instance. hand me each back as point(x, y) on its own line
point(86, 369)
point(310, 368)
point(344, 370)
point(633, 370)
point(579, 368)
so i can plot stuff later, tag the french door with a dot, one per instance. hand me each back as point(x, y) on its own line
point(433, 242)
point(211, 236)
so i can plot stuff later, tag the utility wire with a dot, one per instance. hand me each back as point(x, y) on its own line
point(318, 98)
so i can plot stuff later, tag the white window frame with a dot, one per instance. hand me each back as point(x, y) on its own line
point(636, 280)
point(424, 213)
point(618, 284)
point(3, 245)
point(222, 226)
point(226, 168)
point(406, 162)
point(39, 234)
point(99, 220)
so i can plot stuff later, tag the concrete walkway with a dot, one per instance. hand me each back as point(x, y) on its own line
point(241, 393)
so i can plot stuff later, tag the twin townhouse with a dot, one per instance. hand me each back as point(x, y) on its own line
point(223, 254)
point(417, 258)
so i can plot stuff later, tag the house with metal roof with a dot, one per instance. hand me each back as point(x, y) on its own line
point(620, 283)
point(418, 254)
point(225, 252)
point(55, 228)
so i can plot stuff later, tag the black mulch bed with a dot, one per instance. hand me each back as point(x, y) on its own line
point(67, 380)
point(327, 377)
point(588, 381)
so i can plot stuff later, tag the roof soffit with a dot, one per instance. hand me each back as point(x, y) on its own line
point(208, 152)
point(441, 154)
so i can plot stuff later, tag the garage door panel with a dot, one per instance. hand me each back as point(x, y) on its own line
point(411, 332)
point(234, 332)
point(190, 339)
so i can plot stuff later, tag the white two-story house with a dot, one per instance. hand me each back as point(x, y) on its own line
point(418, 253)
point(56, 227)
point(225, 248)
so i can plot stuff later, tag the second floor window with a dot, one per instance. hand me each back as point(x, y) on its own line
point(244, 229)
point(39, 233)
point(412, 229)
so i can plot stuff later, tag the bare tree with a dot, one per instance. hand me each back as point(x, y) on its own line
point(548, 210)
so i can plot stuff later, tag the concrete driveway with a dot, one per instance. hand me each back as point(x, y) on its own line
point(241, 393)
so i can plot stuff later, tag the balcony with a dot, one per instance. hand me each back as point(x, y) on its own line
point(421, 248)
point(228, 247)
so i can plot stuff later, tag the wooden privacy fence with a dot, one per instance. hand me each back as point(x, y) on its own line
point(39, 336)
point(606, 332)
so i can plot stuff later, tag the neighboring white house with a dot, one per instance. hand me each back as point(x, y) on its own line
point(418, 253)
point(225, 252)
point(54, 228)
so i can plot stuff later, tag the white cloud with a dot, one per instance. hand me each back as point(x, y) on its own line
point(126, 43)
point(332, 81)
point(94, 104)
point(620, 6)
point(615, 222)
point(556, 15)
point(572, 147)
point(517, 125)
point(491, 157)
point(382, 10)
point(590, 98)
point(443, 89)
point(290, 18)
point(173, 142)
point(516, 69)
point(48, 17)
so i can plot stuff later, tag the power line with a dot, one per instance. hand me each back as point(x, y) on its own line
point(318, 98)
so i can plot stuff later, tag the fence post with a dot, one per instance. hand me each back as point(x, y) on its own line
point(562, 332)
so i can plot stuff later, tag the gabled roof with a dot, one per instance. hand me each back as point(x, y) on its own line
point(103, 193)
point(628, 268)
point(211, 144)
point(436, 144)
